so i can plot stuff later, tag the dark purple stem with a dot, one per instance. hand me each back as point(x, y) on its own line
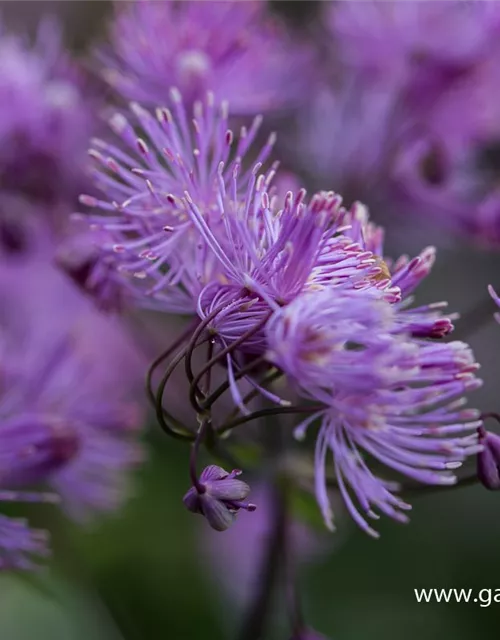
point(475, 318)
point(255, 621)
point(200, 488)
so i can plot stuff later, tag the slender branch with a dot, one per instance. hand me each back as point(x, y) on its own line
point(255, 620)
point(194, 339)
point(491, 414)
point(178, 342)
point(195, 391)
point(176, 433)
point(244, 371)
point(194, 455)
point(262, 413)
point(476, 318)
point(270, 377)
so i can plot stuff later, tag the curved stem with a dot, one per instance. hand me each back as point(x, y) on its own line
point(475, 318)
point(270, 377)
point(490, 414)
point(195, 392)
point(160, 412)
point(194, 339)
point(178, 342)
point(208, 402)
point(262, 413)
point(194, 455)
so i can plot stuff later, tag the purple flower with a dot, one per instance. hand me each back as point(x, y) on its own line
point(272, 251)
point(414, 42)
point(430, 72)
point(45, 120)
point(91, 270)
point(146, 229)
point(405, 274)
point(346, 137)
point(18, 543)
point(235, 49)
point(338, 339)
point(488, 460)
point(378, 391)
point(218, 496)
point(67, 416)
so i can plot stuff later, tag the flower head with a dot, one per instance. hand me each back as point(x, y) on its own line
point(235, 49)
point(146, 230)
point(378, 390)
point(218, 496)
point(45, 120)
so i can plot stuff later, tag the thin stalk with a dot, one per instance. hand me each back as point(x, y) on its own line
point(262, 413)
point(194, 339)
point(256, 618)
point(193, 458)
point(160, 412)
point(178, 342)
point(195, 391)
point(476, 318)
point(270, 377)
point(244, 371)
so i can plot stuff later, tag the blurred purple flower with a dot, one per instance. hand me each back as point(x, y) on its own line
point(416, 45)
point(45, 118)
point(18, 543)
point(235, 557)
point(235, 49)
point(430, 73)
point(68, 418)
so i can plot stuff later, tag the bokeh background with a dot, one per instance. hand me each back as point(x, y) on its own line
point(149, 573)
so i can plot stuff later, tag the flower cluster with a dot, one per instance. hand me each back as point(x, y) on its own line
point(298, 282)
point(69, 418)
point(409, 117)
point(45, 119)
point(235, 49)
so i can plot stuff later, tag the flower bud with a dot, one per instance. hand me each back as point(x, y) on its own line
point(218, 496)
point(488, 460)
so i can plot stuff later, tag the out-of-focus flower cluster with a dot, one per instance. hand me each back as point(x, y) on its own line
point(69, 409)
point(407, 116)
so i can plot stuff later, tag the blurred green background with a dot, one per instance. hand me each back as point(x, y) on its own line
point(142, 576)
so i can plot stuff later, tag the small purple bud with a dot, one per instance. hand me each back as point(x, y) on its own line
point(488, 460)
point(218, 496)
